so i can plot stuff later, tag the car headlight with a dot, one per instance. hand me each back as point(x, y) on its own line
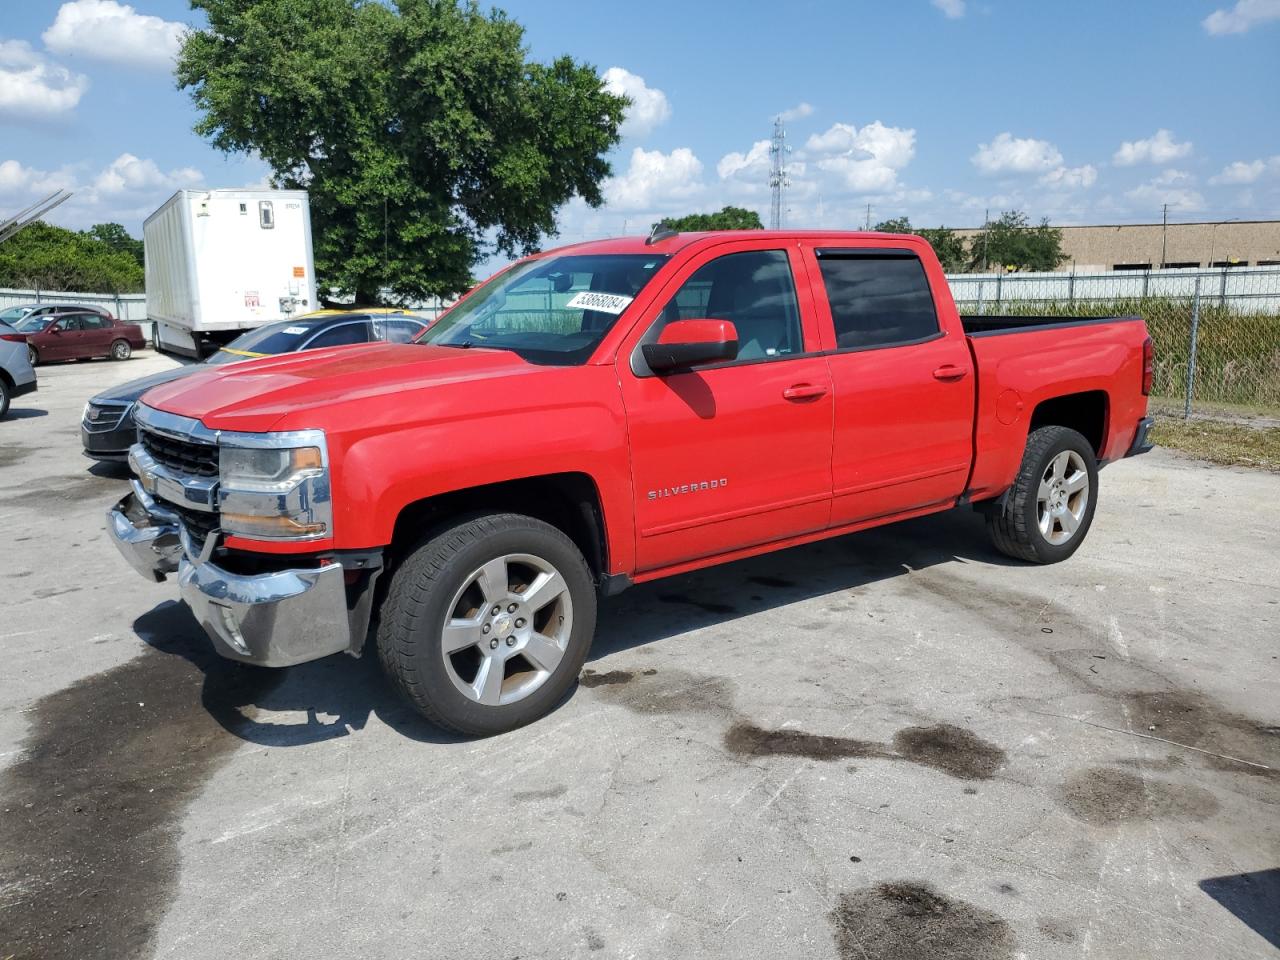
point(275, 486)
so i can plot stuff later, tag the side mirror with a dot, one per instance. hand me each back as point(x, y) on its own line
point(689, 343)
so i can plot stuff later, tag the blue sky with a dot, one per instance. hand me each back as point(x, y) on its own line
point(934, 109)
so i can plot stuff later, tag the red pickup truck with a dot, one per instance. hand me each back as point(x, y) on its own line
point(601, 415)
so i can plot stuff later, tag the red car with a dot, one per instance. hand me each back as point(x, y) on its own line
point(73, 335)
point(606, 414)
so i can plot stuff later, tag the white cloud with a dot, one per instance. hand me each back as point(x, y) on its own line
point(1159, 148)
point(753, 163)
point(864, 160)
point(33, 87)
point(798, 112)
point(1010, 154)
point(125, 191)
point(654, 179)
point(1071, 178)
point(1241, 18)
point(953, 9)
point(127, 173)
point(115, 33)
point(1247, 172)
point(649, 107)
point(1173, 187)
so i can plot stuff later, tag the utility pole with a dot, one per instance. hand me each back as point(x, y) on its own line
point(986, 222)
point(867, 225)
point(778, 179)
point(1164, 238)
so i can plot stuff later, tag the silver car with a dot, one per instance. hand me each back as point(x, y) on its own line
point(16, 375)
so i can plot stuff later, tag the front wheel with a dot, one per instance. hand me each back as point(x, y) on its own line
point(487, 623)
point(1047, 512)
point(33, 355)
point(4, 398)
point(120, 350)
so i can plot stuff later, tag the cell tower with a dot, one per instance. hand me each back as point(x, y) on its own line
point(778, 179)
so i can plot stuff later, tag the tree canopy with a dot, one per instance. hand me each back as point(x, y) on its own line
point(425, 137)
point(727, 218)
point(1012, 243)
point(117, 237)
point(44, 257)
point(947, 244)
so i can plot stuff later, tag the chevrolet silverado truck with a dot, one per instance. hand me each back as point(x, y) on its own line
point(602, 415)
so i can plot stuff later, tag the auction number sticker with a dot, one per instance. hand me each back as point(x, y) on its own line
point(604, 302)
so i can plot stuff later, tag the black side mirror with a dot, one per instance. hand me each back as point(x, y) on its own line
point(684, 344)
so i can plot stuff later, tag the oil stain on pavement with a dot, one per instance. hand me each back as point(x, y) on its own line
point(90, 813)
point(1105, 796)
point(893, 921)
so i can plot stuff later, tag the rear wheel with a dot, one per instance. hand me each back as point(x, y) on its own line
point(486, 624)
point(1048, 511)
point(120, 350)
point(33, 355)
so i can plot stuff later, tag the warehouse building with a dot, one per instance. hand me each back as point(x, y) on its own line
point(1146, 246)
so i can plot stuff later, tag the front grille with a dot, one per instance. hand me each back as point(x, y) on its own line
point(199, 523)
point(182, 456)
point(104, 417)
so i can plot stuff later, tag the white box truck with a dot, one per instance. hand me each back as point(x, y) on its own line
point(219, 262)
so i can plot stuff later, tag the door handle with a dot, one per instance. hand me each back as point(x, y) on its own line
point(804, 391)
point(949, 371)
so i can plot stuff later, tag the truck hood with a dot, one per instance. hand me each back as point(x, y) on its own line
point(259, 395)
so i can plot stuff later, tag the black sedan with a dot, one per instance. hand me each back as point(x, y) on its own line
point(107, 429)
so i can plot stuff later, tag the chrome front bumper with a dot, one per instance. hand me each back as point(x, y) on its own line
point(272, 619)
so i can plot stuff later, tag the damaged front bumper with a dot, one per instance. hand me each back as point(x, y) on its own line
point(272, 619)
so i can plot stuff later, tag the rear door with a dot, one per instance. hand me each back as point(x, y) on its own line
point(904, 386)
point(722, 459)
point(97, 334)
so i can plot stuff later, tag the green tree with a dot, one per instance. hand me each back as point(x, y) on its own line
point(947, 244)
point(727, 218)
point(1012, 243)
point(117, 238)
point(51, 258)
point(426, 139)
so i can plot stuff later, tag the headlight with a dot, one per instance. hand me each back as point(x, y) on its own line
point(275, 486)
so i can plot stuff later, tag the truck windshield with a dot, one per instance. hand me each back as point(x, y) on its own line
point(552, 310)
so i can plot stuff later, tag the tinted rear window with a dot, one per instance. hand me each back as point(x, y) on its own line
point(877, 301)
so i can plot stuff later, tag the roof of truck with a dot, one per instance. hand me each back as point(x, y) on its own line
point(678, 241)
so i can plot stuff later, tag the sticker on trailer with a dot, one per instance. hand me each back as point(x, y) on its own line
point(603, 302)
point(251, 298)
point(299, 271)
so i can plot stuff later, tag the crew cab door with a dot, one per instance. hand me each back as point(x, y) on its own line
point(738, 453)
point(903, 381)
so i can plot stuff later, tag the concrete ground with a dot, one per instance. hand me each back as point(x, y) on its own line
point(895, 744)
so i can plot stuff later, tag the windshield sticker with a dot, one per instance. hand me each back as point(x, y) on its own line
point(295, 330)
point(603, 302)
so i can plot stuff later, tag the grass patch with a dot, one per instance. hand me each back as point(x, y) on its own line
point(1232, 444)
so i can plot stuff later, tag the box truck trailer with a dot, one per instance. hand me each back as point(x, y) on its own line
point(219, 262)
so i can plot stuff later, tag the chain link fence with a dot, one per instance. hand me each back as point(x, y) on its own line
point(1216, 332)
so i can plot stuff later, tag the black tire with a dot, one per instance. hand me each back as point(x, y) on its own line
point(1013, 524)
point(33, 355)
point(415, 610)
point(5, 396)
point(121, 350)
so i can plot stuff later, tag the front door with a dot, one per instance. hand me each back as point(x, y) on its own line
point(737, 454)
point(61, 340)
point(904, 387)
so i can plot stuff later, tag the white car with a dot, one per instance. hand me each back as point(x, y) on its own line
point(16, 374)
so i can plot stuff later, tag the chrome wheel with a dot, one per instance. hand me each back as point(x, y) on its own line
point(507, 629)
point(1063, 497)
point(120, 350)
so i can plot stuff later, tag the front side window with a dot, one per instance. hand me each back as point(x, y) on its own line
point(877, 301)
point(397, 331)
point(755, 291)
point(552, 310)
point(69, 324)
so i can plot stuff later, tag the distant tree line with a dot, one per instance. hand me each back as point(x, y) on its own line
point(1008, 243)
point(102, 259)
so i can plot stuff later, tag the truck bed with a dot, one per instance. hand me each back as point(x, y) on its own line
point(986, 325)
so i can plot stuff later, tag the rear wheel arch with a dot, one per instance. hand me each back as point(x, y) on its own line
point(1087, 413)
